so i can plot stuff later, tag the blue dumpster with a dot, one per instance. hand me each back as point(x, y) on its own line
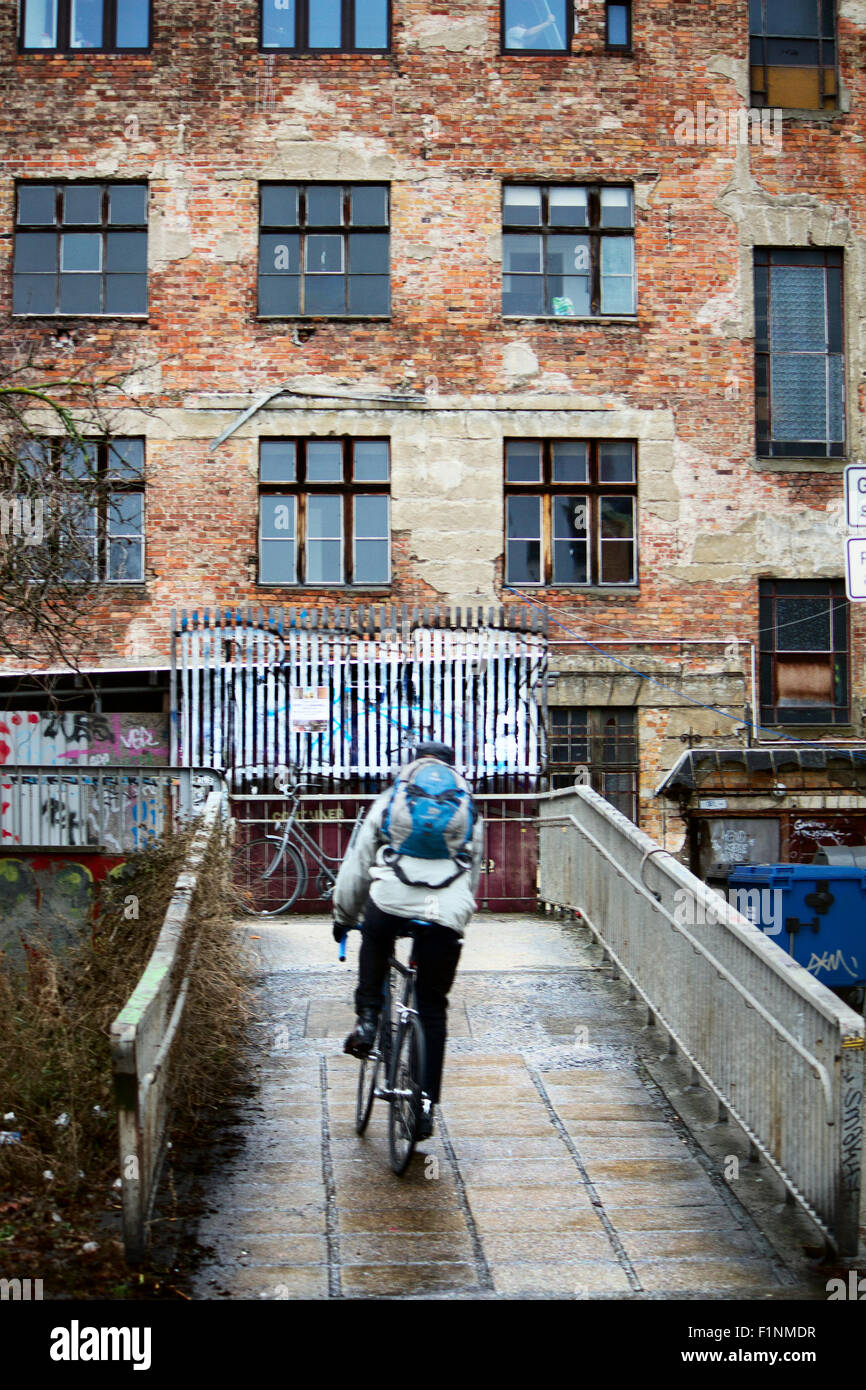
point(817, 912)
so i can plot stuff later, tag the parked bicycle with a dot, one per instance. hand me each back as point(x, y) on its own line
point(270, 871)
point(394, 1069)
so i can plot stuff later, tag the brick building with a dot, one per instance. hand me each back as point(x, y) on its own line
point(551, 308)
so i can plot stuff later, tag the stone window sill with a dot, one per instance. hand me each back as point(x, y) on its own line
point(798, 465)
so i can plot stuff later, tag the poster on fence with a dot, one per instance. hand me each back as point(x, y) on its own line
point(310, 709)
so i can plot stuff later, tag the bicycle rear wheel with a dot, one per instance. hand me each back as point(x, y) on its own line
point(268, 877)
point(405, 1108)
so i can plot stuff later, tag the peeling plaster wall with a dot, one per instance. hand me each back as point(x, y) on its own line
point(445, 120)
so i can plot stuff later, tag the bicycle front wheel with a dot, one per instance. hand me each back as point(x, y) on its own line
point(268, 876)
point(368, 1078)
point(405, 1107)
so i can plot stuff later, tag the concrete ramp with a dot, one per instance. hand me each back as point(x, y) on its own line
point(558, 1168)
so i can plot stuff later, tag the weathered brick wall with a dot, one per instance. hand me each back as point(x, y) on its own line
point(445, 119)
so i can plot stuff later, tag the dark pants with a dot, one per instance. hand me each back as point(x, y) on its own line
point(437, 952)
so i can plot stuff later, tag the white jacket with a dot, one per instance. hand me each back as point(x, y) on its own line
point(364, 873)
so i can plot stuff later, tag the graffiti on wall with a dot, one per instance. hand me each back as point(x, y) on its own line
point(75, 738)
point(48, 900)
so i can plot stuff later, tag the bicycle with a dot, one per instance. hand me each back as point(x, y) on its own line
point(400, 1055)
point(270, 871)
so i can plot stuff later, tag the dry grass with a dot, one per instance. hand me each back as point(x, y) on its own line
point(55, 1056)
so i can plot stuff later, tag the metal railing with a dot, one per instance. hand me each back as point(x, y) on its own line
point(783, 1055)
point(111, 808)
point(141, 1041)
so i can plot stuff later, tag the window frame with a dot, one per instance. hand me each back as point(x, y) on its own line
point(595, 491)
point(759, 96)
point(64, 25)
point(832, 260)
point(104, 228)
point(626, 47)
point(303, 229)
point(563, 52)
point(597, 718)
point(348, 489)
point(838, 655)
point(593, 231)
point(59, 447)
point(302, 30)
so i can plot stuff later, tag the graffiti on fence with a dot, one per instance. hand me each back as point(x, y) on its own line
point(76, 738)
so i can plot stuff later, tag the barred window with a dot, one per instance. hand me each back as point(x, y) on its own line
point(596, 748)
point(799, 355)
point(579, 261)
point(804, 651)
point(324, 511)
point(81, 25)
point(570, 512)
point(81, 248)
point(324, 250)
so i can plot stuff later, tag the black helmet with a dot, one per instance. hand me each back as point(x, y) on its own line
point(432, 749)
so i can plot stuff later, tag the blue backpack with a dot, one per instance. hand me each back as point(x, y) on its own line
point(430, 815)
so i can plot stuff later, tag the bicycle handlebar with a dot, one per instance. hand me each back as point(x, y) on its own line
point(342, 946)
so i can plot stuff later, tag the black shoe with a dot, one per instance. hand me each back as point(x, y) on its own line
point(360, 1041)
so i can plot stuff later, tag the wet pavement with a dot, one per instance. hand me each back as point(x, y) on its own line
point(558, 1168)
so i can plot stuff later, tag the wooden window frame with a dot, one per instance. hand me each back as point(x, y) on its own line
point(64, 27)
point(826, 66)
point(345, 230)
point(302, 30)
point(592, 230)
point(836, 657)
point(595, 491)
point(591, 768)
point(126, 485)
point(103, 229)
point(765, 259)
point(348, 488)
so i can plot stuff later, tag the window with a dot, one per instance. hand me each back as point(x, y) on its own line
point(570, 510)
point(74, 25)
point(324, 511)
point(537, 26)
point(104, 533)
point(617, 22)
point(580, 260)
point(792, 52)
point(81, 248)
point(804, 651)
point(324, 249)
point(596, 748)
point(799, 359)
point(336, 26)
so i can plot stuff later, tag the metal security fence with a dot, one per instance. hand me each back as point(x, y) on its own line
point(142, 1036)
point(114, 809)
point(343, 694)
point(781, 1052)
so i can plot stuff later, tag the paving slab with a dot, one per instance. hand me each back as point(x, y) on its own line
point(554, 1171)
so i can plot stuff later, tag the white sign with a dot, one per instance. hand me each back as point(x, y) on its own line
point(310, 710)
point(713, 803)
point(855, 495)
point(855, 567)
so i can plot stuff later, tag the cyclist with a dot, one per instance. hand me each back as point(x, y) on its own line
point(435, 910)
